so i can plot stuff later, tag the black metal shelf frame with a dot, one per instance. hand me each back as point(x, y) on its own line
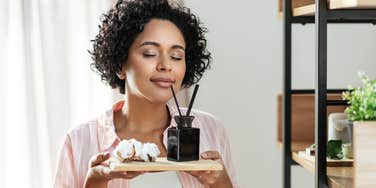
point(321, 19)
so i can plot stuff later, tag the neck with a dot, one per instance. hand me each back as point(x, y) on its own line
point(142, 116)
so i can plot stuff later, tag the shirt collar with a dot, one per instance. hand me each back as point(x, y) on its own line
point(106, 129)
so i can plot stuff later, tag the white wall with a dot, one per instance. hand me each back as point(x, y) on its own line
point(245, 38)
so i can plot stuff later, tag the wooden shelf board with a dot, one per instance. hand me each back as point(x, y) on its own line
point(352, 4)
point(329, 162)
point(297, 146)
point(338, 177)
point(309, 10)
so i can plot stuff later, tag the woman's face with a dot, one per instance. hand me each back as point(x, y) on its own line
point(156, 60)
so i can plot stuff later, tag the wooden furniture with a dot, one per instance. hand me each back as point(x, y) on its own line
point(303, 116)
point(321, 13)
point(338, 177)
point(307, 7)
point(302, 135)
point(329, 162)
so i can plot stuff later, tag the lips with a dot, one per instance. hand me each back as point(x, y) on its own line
point(162, 82)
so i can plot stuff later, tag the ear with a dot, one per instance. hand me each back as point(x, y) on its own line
point(121, 75)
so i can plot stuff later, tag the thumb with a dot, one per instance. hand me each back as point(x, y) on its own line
point(99, 158)
point(211, 155)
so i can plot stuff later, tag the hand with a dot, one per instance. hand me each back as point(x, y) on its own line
point(212, 178)
point(100, 173)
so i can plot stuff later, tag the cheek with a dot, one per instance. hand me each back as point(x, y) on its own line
point(138, 72)
point(141, 70)
point(180, 71)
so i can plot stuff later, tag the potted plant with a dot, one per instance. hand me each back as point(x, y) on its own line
point(362, 111)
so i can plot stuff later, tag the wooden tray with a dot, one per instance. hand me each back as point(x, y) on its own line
point(162, 164)
point(329, 162)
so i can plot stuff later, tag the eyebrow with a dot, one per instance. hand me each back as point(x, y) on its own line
point(178, 47)
point(175, 46)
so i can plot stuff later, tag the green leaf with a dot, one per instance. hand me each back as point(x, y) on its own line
point(334, 149)
point(362, 100)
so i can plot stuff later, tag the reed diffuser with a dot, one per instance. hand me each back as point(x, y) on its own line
point(183, 142)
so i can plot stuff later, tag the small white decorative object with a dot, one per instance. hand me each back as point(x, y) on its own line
point(133, 150)
point(339, 127)
point(347, 150)
point(137, 147)
point(124, 151)
point(150, 152)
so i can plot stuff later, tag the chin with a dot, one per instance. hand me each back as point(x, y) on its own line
point(159, 98)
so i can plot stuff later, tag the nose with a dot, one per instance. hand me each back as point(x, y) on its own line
point(164, 64)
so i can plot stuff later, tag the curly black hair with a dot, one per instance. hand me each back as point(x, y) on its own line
point(122, 24)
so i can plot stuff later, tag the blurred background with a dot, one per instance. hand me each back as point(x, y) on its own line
point(47, 86)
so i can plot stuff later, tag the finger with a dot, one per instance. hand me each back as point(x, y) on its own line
point(211, 155)
point(131, 175)
point(156, 171)
point(106, 163)
point(213, 173)
point(194, 173)
point(207, 180)
point(202, 176)
point(99, 158)
point(136, 173)
point(122, 173)
point(211, 180)
point(210, 176)
point(126, 175)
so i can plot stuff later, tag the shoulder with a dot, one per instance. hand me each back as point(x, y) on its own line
point(205, 116)
point(207, 121)
point(86, 130)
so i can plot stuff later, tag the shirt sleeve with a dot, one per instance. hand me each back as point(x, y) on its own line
point(65, 174)
point(226, 155)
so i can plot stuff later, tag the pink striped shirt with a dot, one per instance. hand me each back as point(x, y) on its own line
point(99, 135)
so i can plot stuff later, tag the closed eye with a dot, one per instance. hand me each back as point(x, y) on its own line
point(176, 58)
point(148, 55)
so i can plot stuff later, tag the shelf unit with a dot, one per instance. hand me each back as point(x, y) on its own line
point(309, 10)
point(321, 13)
point(338, 177)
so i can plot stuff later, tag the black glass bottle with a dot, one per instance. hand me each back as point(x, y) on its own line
point(183, 143)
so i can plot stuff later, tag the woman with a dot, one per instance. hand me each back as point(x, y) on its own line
point(144, 47)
